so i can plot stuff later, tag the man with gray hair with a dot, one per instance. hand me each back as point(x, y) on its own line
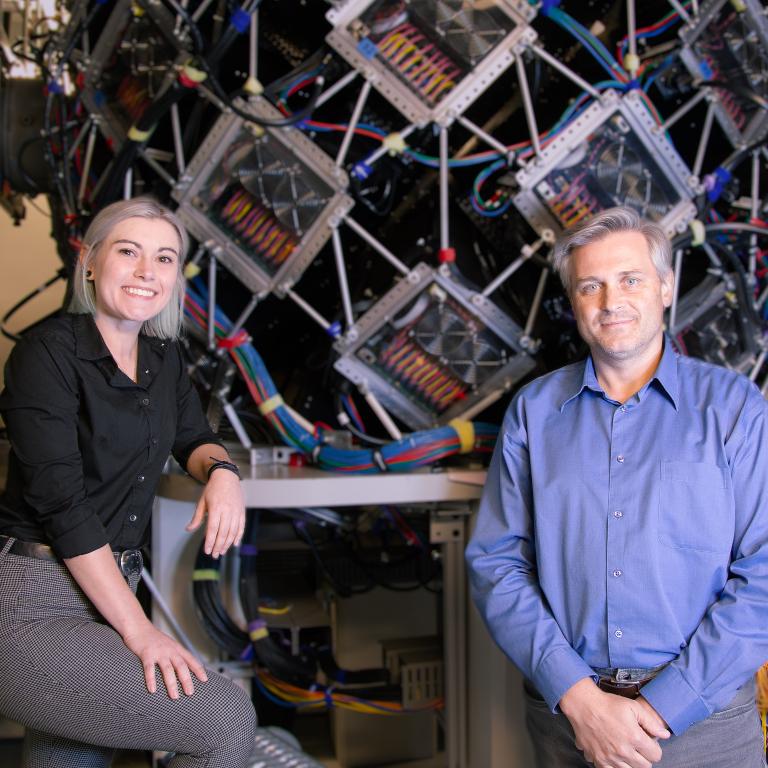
point(620, 557)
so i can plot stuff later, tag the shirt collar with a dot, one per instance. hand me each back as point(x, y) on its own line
point(665, 376)
point(89, 345)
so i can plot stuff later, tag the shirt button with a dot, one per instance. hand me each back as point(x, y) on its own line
point(145, 401)
point(620, 459)
point(617, 573)
point(140, 478)
point(618, 513)
point(132, 518)
point(154, 441)
point(623, 408)
point(618, 633)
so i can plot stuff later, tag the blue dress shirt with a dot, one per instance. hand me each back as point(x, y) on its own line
point(630, 535)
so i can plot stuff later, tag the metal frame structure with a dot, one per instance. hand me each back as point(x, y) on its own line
point(350, 39)
point(112, 125)
point(633, 119)
point(725, 103)
point(394, 398)
point(300, 163)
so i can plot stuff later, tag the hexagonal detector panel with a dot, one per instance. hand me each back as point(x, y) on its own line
point(431, 347)
point(429, 58)
point(732, 45)
point(264, 198)
point(613, 154)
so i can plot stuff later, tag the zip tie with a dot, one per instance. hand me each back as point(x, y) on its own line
point(739, 6)
point(240, 338)
point(270, 405)
point(632, 63)
point(191, 77)
point(137, 135)
point(253, 87)
point(446, 255)
point(466, 432)
point(240, 20)
point(394, 143)
point(257, 630)
point(328, 696)
point(378, 459)
point(191, 271)
point(698, 231)
point(137, 10)
point(205, 574)
point(316, 452)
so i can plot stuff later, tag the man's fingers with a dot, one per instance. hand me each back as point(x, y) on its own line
point(652, 726)
point(648, 751)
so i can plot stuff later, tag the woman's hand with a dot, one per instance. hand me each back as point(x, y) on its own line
point(222, 502)
point(156, 649)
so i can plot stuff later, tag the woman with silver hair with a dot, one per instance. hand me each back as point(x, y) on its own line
point(95, 401)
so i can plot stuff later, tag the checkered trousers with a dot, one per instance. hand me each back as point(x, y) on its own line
point(69, 678)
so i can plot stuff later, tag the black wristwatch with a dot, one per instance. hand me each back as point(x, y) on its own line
point(223, 464)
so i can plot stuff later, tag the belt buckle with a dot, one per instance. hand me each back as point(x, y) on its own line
point(131, 562)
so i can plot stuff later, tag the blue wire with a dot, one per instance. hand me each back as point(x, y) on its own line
point(355, 460)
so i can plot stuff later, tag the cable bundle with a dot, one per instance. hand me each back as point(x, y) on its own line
point(419, 62)
point(257, 227)
point(417, 449)
point(287, 695)
point(419, 373)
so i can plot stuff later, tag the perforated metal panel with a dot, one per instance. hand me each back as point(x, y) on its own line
point(732, 45)
point(430, 58)
point(431, 347)
point(265, 199)
point(613, 154)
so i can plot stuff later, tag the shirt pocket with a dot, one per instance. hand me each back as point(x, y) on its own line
point(695, 507)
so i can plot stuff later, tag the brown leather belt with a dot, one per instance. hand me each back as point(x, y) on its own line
point(630, 689)
point(129, 561)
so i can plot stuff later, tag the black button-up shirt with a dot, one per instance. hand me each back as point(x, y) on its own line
point(88, 444)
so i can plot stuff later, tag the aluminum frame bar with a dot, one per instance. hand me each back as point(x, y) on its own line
point(362, 97)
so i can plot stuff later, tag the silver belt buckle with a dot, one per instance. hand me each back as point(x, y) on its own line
point(131, 562)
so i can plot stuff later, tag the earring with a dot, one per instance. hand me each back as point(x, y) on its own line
point(88, 274)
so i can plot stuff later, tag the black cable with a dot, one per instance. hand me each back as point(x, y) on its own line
point(742, 282)
point(206, 65)
point(61, 274)
point(343, 419)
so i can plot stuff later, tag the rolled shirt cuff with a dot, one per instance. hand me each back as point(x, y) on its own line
point(558, 672)
point(670, 694)
point(87, 536)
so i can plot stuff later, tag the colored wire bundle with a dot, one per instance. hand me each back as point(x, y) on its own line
point(417, 449)
point(257, 227)
point(646, 33)
point(431, 73)
point(418, 372)
point(319, 696)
